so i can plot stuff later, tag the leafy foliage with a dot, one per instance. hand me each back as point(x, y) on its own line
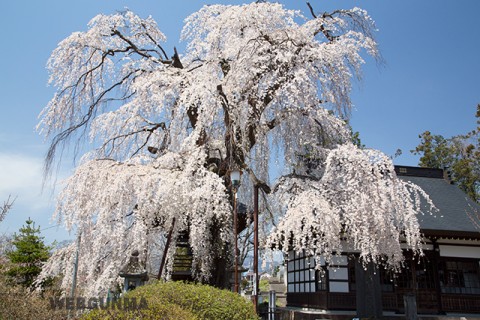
point(263, 285)
point(460, 155)
point(29, 254)
point(178, 300)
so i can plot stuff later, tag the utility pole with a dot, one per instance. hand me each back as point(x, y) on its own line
point(235, 178)
point(235, 233)
point(255, 247)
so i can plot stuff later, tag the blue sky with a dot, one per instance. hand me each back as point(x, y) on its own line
point(429, 80)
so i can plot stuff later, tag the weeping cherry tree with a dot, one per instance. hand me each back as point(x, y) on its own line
point(256, 81)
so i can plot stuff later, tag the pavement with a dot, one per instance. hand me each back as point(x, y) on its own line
point(291, 313)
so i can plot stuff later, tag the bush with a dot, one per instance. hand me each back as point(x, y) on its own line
point(155, 310)
point(17, 302)
point(178, 300)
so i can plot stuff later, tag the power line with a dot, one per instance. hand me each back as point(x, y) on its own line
point(57, 225)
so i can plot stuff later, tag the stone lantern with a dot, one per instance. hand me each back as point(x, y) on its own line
point(134, 273)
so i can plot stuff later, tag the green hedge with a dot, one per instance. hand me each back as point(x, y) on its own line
point(178, 300)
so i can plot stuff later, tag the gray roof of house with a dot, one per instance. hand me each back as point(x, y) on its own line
point(455, 208)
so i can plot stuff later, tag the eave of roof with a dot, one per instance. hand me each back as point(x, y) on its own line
point(456, 210)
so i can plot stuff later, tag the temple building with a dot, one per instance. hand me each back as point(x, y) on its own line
point(445, 280)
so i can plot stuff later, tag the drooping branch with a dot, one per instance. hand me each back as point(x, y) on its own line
point(234, 156)
point(311, 10)
point(155, 42)
point(322, 29)
point(283, 71)
point(144, 53)
point(150, 132)
point(63, 136)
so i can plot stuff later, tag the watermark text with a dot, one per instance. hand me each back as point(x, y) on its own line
point(81, 303)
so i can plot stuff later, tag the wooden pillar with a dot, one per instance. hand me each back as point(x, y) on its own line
point(369, 291)
point(165, 250)
point(410, 297)
point(436, 275)
point(410, 302)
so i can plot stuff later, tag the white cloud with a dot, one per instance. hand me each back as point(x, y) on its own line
point(21, 176)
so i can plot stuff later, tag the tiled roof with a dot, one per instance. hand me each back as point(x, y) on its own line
point(453, 204)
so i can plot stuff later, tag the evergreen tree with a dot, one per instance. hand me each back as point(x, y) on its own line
point(29, 254)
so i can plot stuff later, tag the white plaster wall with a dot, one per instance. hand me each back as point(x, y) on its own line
point(459, 251)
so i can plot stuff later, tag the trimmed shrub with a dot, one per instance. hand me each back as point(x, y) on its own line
point(156, 310)
point(178, 300)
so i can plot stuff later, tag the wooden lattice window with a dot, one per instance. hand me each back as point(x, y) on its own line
point(301, 274)
point(460, 276)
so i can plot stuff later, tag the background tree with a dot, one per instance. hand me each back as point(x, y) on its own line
point(256, 81)
point(459, 154)
point(5, 207)
point(29, 253)
point(18, 302)
point(5, 240)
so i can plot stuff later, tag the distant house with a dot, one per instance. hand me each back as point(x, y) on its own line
point(446, 279)
point(265, 275)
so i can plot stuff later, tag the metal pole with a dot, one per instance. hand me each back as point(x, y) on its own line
point(272, 297)
point(75, 270)
point(235, 227)
point(255, 246)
